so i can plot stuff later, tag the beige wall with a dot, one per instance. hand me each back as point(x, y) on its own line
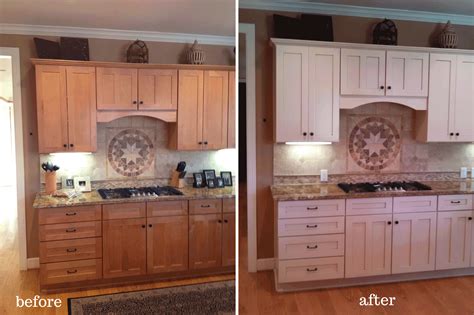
point(100, 50)
point(346, 29)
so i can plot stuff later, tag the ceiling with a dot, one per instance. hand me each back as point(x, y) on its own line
point(209, 17)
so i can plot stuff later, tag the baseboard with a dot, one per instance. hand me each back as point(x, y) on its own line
point(33, 263)
point(265, 264)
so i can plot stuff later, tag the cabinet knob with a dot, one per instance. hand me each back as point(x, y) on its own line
point(396, 222)
point(220, 221)
point(470, 218)
point(311, 133)
point(457, 133)
point(143, 225)
point(205, 142)
point(134, 102)
point(200, 142)
point(65, 145)
point(71, 145)
point(389, 222)
point(225, 221)
point(141, 102)
point(389, 87)
point(451, 134)
point(150, 225)
point(305, 133)
point(381, 87)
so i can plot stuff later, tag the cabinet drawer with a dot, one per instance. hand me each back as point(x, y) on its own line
point(71, 271)
point(166, 208)
point(455, 202)
point(310, 226)
point(368, 206)
point(84, 248)
point(311, 246)
point(124, 211)
point(205, 206)
point(310, 269)
point(69, 214)
point(415, 204)
point(228, 205)
point(311, 208)
point(67, 231)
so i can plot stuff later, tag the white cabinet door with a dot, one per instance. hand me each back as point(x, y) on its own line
point(291, 93)
point(368, 245)
point(453, 242)
point(414, 242)
point(362, 72)
point(407, 73)
point(464, 100)
point(323, 81)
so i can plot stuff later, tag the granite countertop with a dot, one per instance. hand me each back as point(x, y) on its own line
point(43, 200)
point(332, 191)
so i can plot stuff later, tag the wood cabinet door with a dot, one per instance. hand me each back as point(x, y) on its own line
point(51, 109)
point(124, 249)
point(116, 88)
point(231, 115)
point(453, 241)
point(407, 73)
point(167, 244)
point(291, 76)
point(323, 89)
point(190, 110)
point(81, 107)
point(228, 239)
point(205, 241)
point(368, 245)
point(464, 100)
point(362, 72)
point(157, 89)
point(215, 109)
point(414, 242)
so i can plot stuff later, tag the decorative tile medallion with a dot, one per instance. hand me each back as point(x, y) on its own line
point(374, 143)
point(131, 152)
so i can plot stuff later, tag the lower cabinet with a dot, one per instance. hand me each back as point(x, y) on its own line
point(228, 239)
point(205, 241)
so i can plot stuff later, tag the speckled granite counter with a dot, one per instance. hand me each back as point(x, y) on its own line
point(332, 191)
point(47, 201)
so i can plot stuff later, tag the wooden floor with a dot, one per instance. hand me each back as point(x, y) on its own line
point(25, 284)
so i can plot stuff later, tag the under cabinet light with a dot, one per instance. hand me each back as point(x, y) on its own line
point(70, 153)
point(308, 143)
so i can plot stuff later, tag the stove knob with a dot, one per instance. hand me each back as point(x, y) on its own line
point(133, 195)
point(148, 194)
point(154, 194)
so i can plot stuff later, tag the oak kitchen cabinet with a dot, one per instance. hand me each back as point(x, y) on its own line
point(66, 108)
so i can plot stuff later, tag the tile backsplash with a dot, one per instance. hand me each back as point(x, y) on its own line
point(374, 138)
point(137, 148)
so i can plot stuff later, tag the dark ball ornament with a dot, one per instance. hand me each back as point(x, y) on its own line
point(385, 33)
point(137, 52)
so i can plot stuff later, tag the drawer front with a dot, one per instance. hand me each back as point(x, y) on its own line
point(228, 205)
point(205, 206)
point(314, 269)
point(67, 231)
point(166, 208)
point(124, 211)
point(368, 206)
point(455, 202)
point(415, 204)
point(311, 246)
point(69, 214)
point(72, 271)
point(84, 248)
point(310, 226)
point(311, 208)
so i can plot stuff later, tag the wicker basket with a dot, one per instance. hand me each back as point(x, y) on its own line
point(196, 56)
point(448, 37)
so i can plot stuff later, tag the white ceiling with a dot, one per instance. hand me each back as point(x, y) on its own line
point(209, 17)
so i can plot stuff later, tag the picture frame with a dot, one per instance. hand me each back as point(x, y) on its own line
point(227, 178)
point(67, 182)
point(211, 183)
point(198, 180)
point(82, 183)
point(219, 182)
point(209, 175)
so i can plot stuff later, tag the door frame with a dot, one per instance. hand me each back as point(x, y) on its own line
point(14, 53)
point(249, 31)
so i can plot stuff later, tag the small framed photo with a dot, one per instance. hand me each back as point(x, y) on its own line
point(227, 178)
point(209, 175)
point(67, 182)
point(211, 183)
point(219, 182)
point(82, 183)
point(198, 180)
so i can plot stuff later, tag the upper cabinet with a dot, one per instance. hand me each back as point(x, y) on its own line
point(407, 73)
point(157, 89)
point(231, 114)
point(116, 89)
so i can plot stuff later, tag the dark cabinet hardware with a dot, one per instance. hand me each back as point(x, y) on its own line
point(205, 142)
point(200, 142)
point(389, 222)
point(389, 87)
point(305, 134)
point(65, 145)
point(451, 134)
point(312, 208)
point(205, 206)
point(396, 222)
point(143, 225)
point(141, 102)
point(150, 225)
point(72, 271)
point(455, 202)
point(69, 214)
point(457, 133)
point(220, 221)
point(70, 230)
point(311, 247)
point(71, 145)
point(134, 102)
point(381, 87)
point(311, 133)
point(311, 226)
point(71, 250)
point(311, 269)
point(225, 221)
point(470, 218)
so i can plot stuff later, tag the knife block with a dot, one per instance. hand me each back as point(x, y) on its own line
point(50, 182)
point(175, 180)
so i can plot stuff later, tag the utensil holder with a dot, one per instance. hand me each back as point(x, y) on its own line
point(50, 182)
point(176, 181)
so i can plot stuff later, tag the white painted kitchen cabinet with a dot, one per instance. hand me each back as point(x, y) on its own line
point(464, 99)
point(454, 237)
point(368, 245)
point(414, 242)
point(407, 73)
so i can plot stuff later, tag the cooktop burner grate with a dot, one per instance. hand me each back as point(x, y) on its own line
point(383, 186)
point(154, 191)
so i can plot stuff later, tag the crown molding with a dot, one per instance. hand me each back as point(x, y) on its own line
point(103, 33)
point(351, 10)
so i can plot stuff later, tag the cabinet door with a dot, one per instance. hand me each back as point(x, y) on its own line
point(362, 72)
point(407, 73)
point(81, 106)
point(157, 89)
point(291, 121)
point(231, 119)
point(167, 244)
point(464, 108)
point(116, 89)
point(323, 88)
point(51, 109)
point(368, 245)
point(453, 243)
point(205, 241)
point(228, 239)
point(124, 249)
point(414, 242)
point(215, 108)
point(190, 104)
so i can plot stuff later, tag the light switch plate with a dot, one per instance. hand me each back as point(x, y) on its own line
point(324, 176)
